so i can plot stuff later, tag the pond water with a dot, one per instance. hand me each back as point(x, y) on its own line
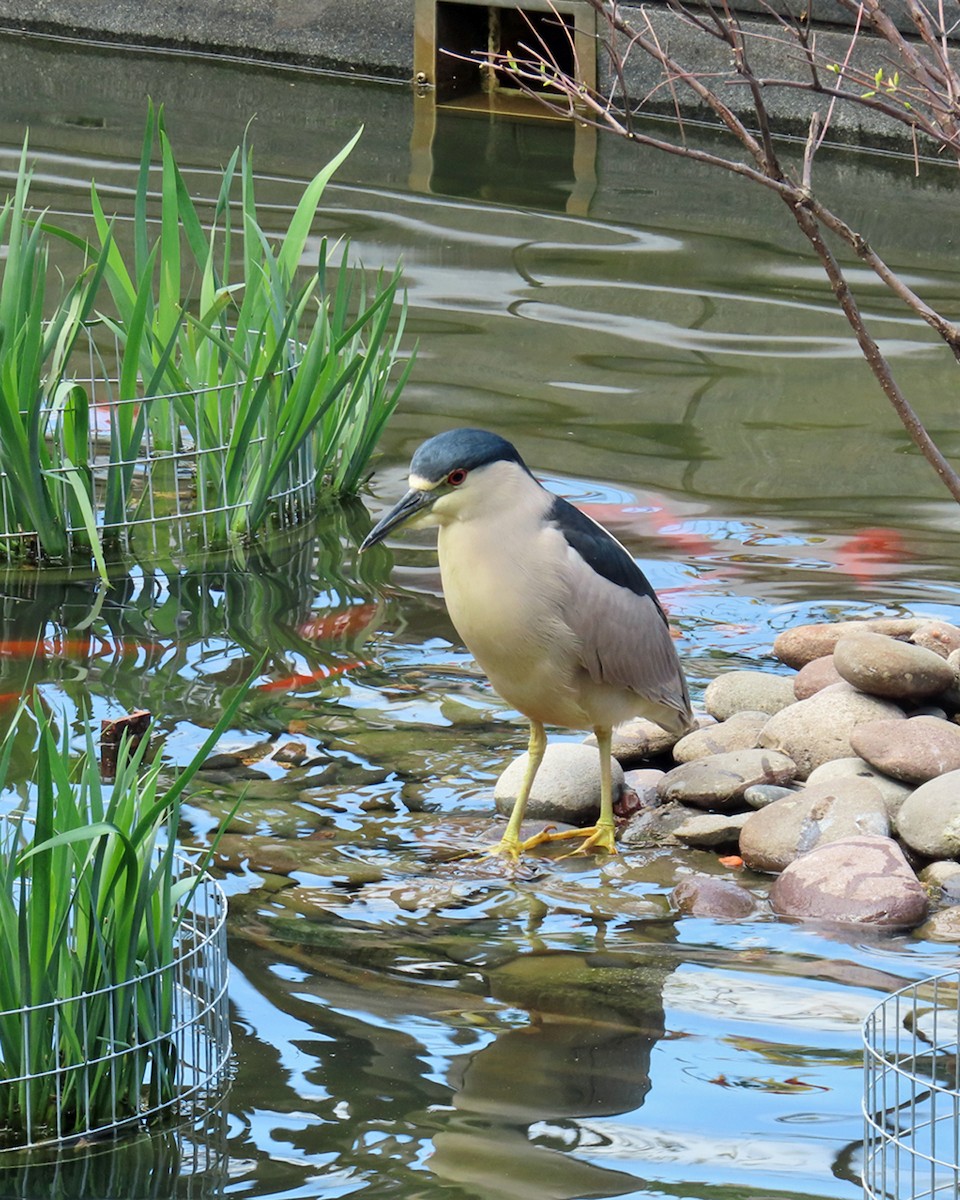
point(660, 346)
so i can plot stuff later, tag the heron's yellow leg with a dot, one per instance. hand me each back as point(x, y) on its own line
point(510, 844)
point(597, 837)
point(600, 836)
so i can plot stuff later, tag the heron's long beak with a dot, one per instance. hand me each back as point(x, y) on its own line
point(415, 501)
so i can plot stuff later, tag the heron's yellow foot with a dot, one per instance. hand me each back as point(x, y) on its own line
point(600, 837)
point(596, 837)
point(506, 848)
point(512, 847)
point(546, 834)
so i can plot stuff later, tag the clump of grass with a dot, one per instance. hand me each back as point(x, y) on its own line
point(91, 899)
point(272, 372)
point(235, 359)
point(45, 486)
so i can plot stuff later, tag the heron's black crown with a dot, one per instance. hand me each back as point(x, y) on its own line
point(466, 448)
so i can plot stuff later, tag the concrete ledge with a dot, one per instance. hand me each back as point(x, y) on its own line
point(364, 37)
point(376, 38)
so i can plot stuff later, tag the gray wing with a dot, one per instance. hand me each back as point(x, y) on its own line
point(624, 638)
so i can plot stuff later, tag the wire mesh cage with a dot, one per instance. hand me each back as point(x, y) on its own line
point(187, 1158)
point(159, 468)
point(911, 1103)
point(85, 1066)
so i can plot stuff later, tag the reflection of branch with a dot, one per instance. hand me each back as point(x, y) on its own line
point(927, 101)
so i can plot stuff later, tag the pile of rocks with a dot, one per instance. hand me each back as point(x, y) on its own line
point(842, 778)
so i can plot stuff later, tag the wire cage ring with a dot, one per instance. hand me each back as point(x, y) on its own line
point(191, 1048)
point(169, 487)
point(911, 1099)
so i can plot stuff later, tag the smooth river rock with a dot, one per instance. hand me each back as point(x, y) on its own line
point(803, 643)
point(704, 895)
point(710, 829)
point(814, 677)
point(942, 880)
point(654, 826)
point(642, 781)
point(719, 780)
point(774, 836)
point(759, 795)
point(951, 697)
point(943, 926)
point(866, 880)
point(636, 741)
point(567, 786)
point(738, 732)
point(892, 790)
point(814, 731)
point(939, 636)
point(739, 691)
point(897, 670)
point(929, 819)
point(912, 751)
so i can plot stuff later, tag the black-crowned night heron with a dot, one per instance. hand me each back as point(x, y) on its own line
point(552, 607)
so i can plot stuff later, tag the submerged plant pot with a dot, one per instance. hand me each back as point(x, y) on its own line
point(911, 1097)
point(155, 469)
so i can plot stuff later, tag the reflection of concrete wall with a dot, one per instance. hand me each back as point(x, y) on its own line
point(92, 100)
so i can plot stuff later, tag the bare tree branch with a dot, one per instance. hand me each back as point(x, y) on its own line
point(920, 91)
point(875, 358)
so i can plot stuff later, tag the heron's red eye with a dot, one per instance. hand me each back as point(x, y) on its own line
point(456, 477)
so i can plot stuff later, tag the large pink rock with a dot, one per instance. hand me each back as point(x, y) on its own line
point(863, 880)
point(913, 751)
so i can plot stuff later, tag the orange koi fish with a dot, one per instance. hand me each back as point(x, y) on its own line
point(869, 552)
point(290, 683)
point(339, 624)
point(61, 647)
